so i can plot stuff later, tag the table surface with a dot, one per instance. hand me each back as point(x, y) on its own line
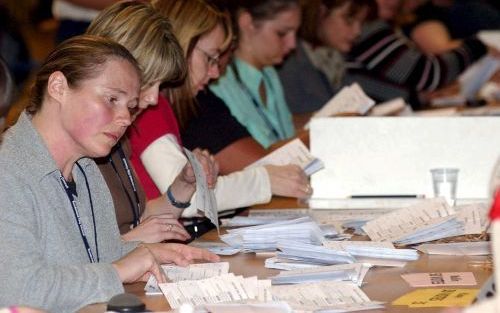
point(380, 284)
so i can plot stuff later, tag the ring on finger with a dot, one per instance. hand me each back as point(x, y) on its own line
point(170, 226)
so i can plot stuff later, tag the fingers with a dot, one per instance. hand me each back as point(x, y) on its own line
point(164, 254)
point(289, 181)
point(193, 253)
point(209, 165)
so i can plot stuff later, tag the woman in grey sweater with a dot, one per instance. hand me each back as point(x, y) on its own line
point(60, 247)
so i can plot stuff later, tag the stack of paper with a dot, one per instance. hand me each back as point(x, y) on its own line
point(428, 220)
point(342, 296)
point(374, 253)
point(343, 219)
point(294, 152)
point(311, 254)
point(205, 196)
point(350, 99)
point(457, 248)
point(218, 289)
point(192, 272)
point(261, 217)
point(345, 272)
point(266, 237)
point(216, 247)
point(271, 307)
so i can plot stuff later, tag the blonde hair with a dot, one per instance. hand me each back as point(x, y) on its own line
point(191, 19)
point(147, 35)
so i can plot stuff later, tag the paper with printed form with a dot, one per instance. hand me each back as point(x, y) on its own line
point(350, 99)
point(294, 152)
point(440, 279)
point(205, 196)
point(344, 272)
point(326, 295)
point(401, 223)
point(265, 237)
point(457, 248)
point(219, 289)
point(216, 247)
point(191, 272)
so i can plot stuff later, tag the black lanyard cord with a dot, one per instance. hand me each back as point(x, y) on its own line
point(136, 208)
point(72, 200)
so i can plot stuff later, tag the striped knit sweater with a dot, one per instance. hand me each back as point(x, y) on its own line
point(386, 54)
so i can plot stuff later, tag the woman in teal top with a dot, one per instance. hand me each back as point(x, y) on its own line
point(251, 87)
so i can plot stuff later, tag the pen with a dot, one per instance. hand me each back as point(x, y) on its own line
point(387, 196)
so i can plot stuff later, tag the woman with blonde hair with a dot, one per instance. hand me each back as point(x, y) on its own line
point(148, 36)
point(204, 32)
point(61, 248)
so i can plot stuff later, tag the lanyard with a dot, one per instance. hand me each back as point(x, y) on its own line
point(136, 208)
point(256, 103)
point(76, 213)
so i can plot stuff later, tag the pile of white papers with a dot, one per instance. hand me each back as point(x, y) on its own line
point(312, 254)
point(205, 196)
point(266, 237)
point(331, 296)
point(428, 220)
point(261, 217)
point(271, 307)
point(216, 247)
point(350, 99)
point(344, 272)
point(343, 219)
point(375, 253)
point(294, 152)
point(218, 289)
point(457, 248)
point(191, 272)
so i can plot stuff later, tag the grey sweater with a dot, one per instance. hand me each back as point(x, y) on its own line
point(43, 261)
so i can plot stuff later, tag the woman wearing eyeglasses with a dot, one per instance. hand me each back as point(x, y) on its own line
point(203, 32)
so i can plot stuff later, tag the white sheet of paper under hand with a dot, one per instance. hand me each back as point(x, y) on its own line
point(205, 196)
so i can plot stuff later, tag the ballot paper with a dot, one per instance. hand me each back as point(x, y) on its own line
point(477, 75)
point(279, 213)
point(322, 296)
point(435, 297)
point(388, 108)
point(490, 38)
point(205, 196)
point(264, 217)
point(474, 217)
point(457, 248)
point(270, 307)
point(344, 272)
point(216, 247)
point(350, 99)
point(345, 219)
point(427, 220)
point(218, 289)
point(440, 279)
point(312, 254)
point(375, 253)
point(191, 272)
point(294, 152)
point(265, 237)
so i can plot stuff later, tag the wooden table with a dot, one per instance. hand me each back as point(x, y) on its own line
point(381, 284)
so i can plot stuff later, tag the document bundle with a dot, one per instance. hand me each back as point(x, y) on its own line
point(266, 237)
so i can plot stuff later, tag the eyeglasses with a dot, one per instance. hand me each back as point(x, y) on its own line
point(211, 59)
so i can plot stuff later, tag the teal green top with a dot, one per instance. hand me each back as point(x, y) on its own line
point(266, 123)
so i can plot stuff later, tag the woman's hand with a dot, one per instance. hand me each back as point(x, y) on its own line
point(184, 185)
point(180, 254)
point(288, 181)
point(145, 260)
point(157, 229)
point(138, 265)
